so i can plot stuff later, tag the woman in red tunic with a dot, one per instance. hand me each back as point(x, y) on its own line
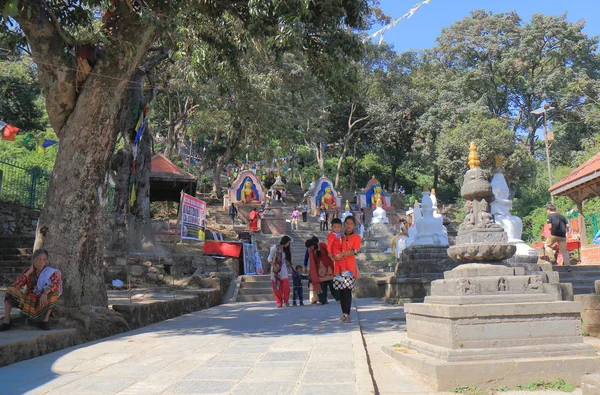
point(346, 271)
point(253, 220)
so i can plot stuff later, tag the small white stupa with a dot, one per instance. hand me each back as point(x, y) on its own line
point(379, 214)
point(348, 211)
point(430, 230)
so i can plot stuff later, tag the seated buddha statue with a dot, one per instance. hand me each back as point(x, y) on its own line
point(378, 195)
point(328, 200)
point(248, 195)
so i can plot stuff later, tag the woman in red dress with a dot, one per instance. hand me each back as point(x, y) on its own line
point(346, 270)
point(253, 220)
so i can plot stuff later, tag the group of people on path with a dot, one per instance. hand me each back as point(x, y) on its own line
point(331, 266)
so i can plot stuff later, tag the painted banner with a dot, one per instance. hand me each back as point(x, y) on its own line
point(193, 217)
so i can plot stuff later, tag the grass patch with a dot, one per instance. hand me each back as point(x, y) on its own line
point(558, 384)
point(397, 345)
point(501, 389)
point(468, 390)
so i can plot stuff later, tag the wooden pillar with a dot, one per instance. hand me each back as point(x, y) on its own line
point(581, 219)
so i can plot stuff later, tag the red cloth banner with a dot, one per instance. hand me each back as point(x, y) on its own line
point(223, 248)
point(9, 132)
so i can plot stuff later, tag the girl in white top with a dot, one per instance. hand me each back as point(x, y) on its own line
point(280, 259)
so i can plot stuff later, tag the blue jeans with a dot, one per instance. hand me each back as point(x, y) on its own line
point(298, 292)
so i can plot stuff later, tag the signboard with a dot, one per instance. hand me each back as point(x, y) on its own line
point(192, 212)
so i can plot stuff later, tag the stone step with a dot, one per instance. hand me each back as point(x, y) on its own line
point(583, 289)
point(577, 268)
point(260, 277)
point(16, 242)
point(267, 298)
point(262, 291)
point(15, 251)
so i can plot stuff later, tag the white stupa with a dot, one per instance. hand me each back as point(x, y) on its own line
point(430, 230)
point(379, 215)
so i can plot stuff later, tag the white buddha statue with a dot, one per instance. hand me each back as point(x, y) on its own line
point(430, 230)
point(379, 214)
point(501, 207)
point(415, 212)
point(436, 213)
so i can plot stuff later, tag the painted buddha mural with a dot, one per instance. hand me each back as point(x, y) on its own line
point(376, 193)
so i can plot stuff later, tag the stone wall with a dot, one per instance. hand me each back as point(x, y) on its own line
point(149, 269)
point(17, 220)
point(138, 315)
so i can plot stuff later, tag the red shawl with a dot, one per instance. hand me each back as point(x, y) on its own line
point(314, 273)
point(321, 268)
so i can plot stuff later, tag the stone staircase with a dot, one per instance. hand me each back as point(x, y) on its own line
point(15, 255)
point(258, 289)
point(582, 277)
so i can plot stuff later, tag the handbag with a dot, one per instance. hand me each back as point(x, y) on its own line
point(346, 282)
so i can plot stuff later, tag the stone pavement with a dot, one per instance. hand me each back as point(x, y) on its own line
point(244, 348)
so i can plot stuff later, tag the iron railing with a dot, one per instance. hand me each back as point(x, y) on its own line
point(23, 186)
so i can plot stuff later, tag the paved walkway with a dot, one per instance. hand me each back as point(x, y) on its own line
point(244, 348)
point(250, 348)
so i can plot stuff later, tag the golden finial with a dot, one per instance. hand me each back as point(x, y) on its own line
point(499, 159)
point(433, 191)
point(347, 205)
point(416, 202)
point(425, 188)
point(473, 156)
point(379, 202)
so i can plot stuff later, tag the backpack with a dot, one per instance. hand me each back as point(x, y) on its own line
point(231, 211)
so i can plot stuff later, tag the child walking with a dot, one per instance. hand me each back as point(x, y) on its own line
point(297, 282)
point(295, 216)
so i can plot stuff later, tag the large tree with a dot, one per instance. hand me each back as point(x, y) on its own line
point(514, 67)
point(85, 83)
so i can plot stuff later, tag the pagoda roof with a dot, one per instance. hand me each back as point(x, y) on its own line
point(163, 169)
point(582, 183)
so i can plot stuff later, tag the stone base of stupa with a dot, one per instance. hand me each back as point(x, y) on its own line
point(378, 238)
point(492, 325)
point(415, 269)
point(493, 372)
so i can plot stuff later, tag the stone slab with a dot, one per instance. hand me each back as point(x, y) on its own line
point(492, 373)
point(498, 310)
point(590, 384)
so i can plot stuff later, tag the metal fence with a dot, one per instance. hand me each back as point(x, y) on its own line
point(23, 186)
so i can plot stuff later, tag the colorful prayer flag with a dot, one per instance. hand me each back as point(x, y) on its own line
point(47, 143)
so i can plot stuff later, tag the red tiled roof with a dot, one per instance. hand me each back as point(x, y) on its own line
point(586, 170)
point(162, 167)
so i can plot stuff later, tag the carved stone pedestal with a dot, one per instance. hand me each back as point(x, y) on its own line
point(483, 320)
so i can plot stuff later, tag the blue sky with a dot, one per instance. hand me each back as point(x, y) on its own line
point(420, 31)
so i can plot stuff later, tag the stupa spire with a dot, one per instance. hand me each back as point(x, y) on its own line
point(473, 156)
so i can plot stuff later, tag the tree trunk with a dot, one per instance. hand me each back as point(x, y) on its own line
point(71, 224)
point(293, 159)
point(392, 185)
point(320, 155)
point(339, 165)
point(233, 140)
point(140, 232)
point(436, 177)
point(353, 168)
